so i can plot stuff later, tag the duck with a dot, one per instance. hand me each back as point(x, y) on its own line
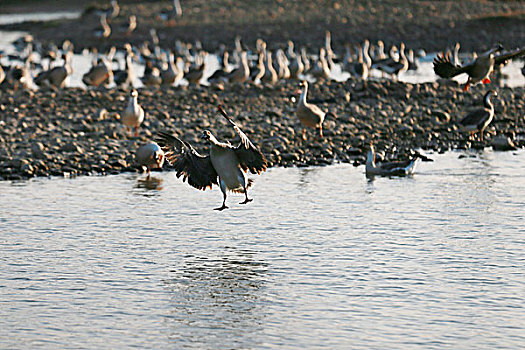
point(396, 168)
point(478, 70)
point(225, 165)
point(133, 115)
point(309, 114)
point(151, 156)
point(479, 119)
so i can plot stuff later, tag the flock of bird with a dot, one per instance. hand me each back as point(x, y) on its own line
point(226, 165)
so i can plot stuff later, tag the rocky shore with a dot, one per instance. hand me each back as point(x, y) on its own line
point(78, 132)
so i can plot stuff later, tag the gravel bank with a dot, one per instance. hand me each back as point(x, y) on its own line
point(77, 132)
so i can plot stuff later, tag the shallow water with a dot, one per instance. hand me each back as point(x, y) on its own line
point(322, 258)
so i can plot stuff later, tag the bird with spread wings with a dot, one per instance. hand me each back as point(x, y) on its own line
point(225, 165)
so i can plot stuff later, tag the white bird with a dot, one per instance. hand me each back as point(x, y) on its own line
point(225, 165)
point(133, 115)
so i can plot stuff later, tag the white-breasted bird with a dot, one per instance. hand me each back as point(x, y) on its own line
point(133, 115)
point(225, 165)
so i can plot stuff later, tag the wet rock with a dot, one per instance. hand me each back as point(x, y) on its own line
point(503, 143)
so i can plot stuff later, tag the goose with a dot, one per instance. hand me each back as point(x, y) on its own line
point(270, 74)
point(258, 72)
point(172, 73)
point(100, 74)
point(310, 115)
point(125, 77)
point(479, 69)
point(305, 60)
point(151, 75)
point(395, 68)
point(358, 69)
point(56, 76)
point(283, 72)
point(321, 69)
point(194, 75)
point(220, 74)
point(150, 156)
point(105, 31)
point(133, 115)
point(225, 165)
point(132, 24)
point(479, 119)
point(242, 73)
point(296, 67)
point(396, 168)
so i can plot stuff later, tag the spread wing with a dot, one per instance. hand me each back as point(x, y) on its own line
point(503, 58)
point(250, 157)
point(444, 67)
point(187, 162)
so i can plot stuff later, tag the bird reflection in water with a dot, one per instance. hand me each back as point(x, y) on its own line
point(226, 293)
point(150, 183)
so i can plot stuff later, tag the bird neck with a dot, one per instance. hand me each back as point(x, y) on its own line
point(487, 101)
point(303, 94)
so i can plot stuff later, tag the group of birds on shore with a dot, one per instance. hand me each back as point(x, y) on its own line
point(226, 165)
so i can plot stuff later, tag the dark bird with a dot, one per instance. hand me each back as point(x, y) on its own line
point(225, 165)
point(479, 119)
point(478, 70)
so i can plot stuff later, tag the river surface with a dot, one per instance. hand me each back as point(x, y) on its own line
point(322, 258)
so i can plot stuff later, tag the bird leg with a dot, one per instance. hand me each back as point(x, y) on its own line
point(304, 134)
point(481, 135)
point(247, 200)
point(129, 130)
point(486, 81)
point(223, 203)
point(136, 131)
point(465, 88)
point(321, 131)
